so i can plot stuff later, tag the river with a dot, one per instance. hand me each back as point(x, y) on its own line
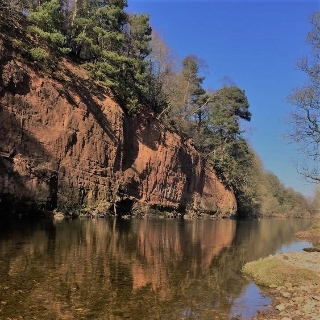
point(136, 269)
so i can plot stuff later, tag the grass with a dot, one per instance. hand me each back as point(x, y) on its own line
point(274, 272)
point(313, 234)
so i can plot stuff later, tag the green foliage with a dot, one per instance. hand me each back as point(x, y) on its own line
point(113, 45)
point(46, 21)
point(140, 36)
point(47, 15)
point(223, 143)
point(233, 101)
point(119, 51)
point(193, 91)
point(213, 120)
point(277, 200)
point(39, 55)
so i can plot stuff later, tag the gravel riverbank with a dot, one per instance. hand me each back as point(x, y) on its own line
point(292, 280)
point(295, 301)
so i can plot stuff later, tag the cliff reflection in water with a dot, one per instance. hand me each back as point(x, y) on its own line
point(148, 269)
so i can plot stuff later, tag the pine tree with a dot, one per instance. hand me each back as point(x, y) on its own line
point(46, 21)
point(222, 142)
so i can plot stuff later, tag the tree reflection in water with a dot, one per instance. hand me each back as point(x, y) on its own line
point(133, 269)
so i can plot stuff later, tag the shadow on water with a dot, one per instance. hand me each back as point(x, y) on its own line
point(134, 269)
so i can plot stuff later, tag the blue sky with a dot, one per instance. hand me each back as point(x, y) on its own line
point(256, 44)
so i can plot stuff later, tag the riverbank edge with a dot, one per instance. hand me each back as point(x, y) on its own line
point(105, 210)
point(292, 280)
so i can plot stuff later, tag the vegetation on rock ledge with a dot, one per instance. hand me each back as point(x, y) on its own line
point(121, 52)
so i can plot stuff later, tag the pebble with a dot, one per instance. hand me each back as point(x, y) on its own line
point(280, 307)
point(296, 302)
point(286, 294)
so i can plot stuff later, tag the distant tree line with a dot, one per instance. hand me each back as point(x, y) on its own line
point(121, 51)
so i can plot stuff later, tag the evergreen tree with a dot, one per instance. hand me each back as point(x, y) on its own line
point(46, 20)
point(193, 90)
point(223, 143)
point(115, 46)
point(139, 36)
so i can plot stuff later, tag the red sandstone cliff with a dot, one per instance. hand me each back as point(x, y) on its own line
point(64, 139)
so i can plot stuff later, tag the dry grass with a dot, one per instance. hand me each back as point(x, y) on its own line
point(274, 272)
point(313, 234)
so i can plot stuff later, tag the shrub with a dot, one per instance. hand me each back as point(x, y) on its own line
point(39, 55)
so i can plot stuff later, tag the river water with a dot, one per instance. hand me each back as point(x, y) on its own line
point(136, 269)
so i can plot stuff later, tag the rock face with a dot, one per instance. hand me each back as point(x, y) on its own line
point(64, 140)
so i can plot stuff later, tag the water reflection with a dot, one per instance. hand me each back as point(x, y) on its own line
point(249, 302)
point(131, 269)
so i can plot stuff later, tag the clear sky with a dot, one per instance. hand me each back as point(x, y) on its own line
point(255, 43)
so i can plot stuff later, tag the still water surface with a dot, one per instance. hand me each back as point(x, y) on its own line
point(135, 269)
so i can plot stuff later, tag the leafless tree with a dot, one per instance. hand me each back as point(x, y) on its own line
point(305, 119)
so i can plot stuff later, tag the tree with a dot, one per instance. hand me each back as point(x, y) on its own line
point(137, 50)
point(139, 36)
point(222, 141)
point(193, 90)
point(112, 45)
point(46, 21)
point(13, 7)
point(161, 75)
point(115, 46)
point(185, 95)
point(225, 108)
point(305, 119)
point(315, 204)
